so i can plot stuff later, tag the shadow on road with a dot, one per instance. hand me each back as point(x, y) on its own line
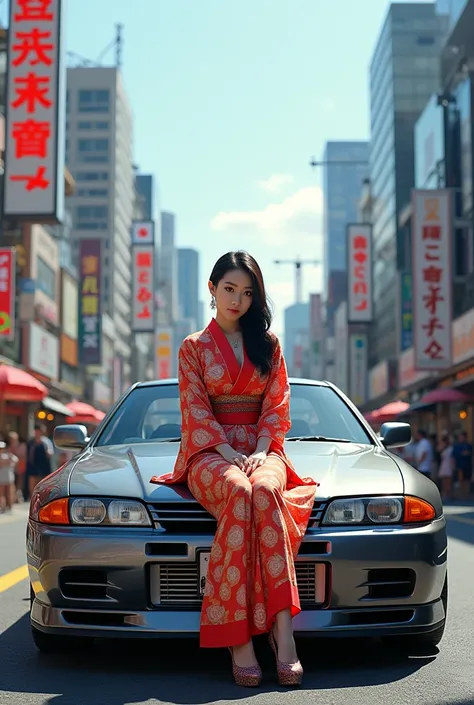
point(460, 525)
point(177, 671)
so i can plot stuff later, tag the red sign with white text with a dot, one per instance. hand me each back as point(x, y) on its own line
point(359, 273)
point(432, 279)
point(33, 181)
point(143, 302)
point(7, 292)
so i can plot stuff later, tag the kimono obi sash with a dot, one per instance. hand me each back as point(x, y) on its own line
point(236, 409)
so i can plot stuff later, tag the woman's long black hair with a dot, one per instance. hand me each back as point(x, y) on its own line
point(255, 324)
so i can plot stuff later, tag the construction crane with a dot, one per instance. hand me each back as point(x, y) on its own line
point(298, 263)
point(76, 60)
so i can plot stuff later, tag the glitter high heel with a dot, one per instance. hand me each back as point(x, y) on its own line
point(289, 674)
point(246, 676)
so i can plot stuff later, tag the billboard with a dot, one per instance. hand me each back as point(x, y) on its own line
point(143, 232)
point(359, 273)
point(35, 112)
point(90, 304)
point(43, 354)
point(7, 292)
point(316, 337)
point(163, 352)
point(143, 297)
point(432, 238)
point(358, 369)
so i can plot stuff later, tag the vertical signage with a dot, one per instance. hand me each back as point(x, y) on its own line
point(90, 304)
point(34, 159)
point(405, 298)
point(143, 232)
point(143, 297)
point(359, 273)
point(316, 337)
point(358, 372)
point(7, 292)
point(163, 352)
point(341, 344)
point(432, 279)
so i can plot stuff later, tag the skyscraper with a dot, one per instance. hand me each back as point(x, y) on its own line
point(99, 156)
point(144, 187)
point(404, 73)
point(188, 284)
point(169, 267)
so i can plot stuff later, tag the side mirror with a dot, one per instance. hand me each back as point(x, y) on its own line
point(73, 437)
point(394, 434)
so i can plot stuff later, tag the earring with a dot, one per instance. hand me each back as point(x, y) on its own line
point(213, 302)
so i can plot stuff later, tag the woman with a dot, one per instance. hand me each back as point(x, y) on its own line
point(235, 397)
point(446, 468)
point(8, 461)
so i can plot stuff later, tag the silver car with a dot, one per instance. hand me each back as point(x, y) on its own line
point(110, 554)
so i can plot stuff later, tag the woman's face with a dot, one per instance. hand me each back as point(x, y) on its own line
point(233, 294)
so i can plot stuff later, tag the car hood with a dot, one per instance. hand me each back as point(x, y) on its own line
point(342, 469)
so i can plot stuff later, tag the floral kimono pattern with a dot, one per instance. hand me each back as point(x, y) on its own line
point(261, 519)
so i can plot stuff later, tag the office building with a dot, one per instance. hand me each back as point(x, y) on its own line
point(99, 156)
point(296, 337)
point(404, 73)
point(144, 188)
point(342, 185)
point(169, 267)
point(188, 285)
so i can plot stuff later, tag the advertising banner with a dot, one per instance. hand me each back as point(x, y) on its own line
point(405, 298)
point(35, 112)
point(143, 299)
point(43, 352)
point(432, 238)
point(358, 372)
point(7, 292)
point(163, 352)
point(359, 273)
point(90, 304)
point(143, 232)
point(69, 306)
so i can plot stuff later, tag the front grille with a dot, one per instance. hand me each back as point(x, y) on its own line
point(189, 517)
point(175, 584)
point(389, 583)
point(83, 584)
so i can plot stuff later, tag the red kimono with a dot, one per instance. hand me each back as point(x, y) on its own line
point(262, 518)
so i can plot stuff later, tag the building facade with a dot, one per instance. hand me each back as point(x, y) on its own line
point(188, 285)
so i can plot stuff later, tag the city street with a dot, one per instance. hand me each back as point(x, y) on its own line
point(336, 673)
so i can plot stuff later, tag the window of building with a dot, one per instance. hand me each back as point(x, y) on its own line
point(92, 176)
point(93, 192)
point(45, 278)
point(94, 101)
point(93, 151)
point(93, 125)
point(92, 218)
point(425, 40)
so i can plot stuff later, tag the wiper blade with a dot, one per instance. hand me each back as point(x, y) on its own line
point(166, 440)
point(320, 438)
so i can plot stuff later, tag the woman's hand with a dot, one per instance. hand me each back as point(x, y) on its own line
point(233, 457)
point(254, 461)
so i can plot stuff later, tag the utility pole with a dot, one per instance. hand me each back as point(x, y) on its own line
point(298, 263)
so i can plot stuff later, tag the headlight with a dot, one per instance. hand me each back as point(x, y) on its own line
point(378, 510)
point(384, 510)
point(127, 512)
point(88, 511)
point(345, 511)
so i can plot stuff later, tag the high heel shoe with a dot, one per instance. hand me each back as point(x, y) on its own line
point(289, 674)
point(246, 676)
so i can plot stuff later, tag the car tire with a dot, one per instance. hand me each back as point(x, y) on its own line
point(52, 644)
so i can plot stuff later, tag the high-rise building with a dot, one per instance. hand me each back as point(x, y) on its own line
point(188, 284)
point(404, 73)
point(296, 338)
point(342, 185)
point(169, 267)
point(99, 156)
point(144, 188)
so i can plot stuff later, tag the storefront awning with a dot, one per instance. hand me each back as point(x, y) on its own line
point(57, 406)
point(84, 413)
point(389, 412)
point(18, 385)
point(437, 396)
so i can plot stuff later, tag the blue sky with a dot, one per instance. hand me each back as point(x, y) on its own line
point(227, 94)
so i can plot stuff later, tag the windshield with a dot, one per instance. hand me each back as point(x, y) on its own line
point(152, 413)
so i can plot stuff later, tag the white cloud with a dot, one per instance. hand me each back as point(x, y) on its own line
point(275, 182)
point(297, 216)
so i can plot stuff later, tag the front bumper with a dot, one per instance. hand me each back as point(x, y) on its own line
point(130, 607)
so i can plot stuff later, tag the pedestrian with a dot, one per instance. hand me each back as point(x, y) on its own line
point(235, 396)
point(462, 454)
point(8, 461)
point(446, 470)
point(38, 464)
point(423, 454)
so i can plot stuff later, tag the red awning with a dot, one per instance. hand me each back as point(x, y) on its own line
point(443, 396)
point(84, 413)
point(389, 412)
point(18, 385)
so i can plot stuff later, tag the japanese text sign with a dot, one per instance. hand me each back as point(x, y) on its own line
point(90, 305)
point(35, 112)
point(143, 285)
point(7, 292)
point(163, 352)
point(432, 280)
point(359, 273)
point(143, 233)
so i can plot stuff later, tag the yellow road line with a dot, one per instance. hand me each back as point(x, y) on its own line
point(462, 520)
point(13, 577)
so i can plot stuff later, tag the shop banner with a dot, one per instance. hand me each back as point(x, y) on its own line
point(358, 369)
point(35, 112)
point(7, 292)
point(432, 239)
point(90, 304)
point(43, 352)
point(163, 352)
point(143, 299)
point(405, 299)
point(359, 273)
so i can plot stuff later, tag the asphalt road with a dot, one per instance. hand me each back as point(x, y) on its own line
point(336, 673)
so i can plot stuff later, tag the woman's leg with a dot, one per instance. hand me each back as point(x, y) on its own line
point(225, 491)
point(278, 540)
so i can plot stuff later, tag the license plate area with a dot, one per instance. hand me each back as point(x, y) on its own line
point(204, 558)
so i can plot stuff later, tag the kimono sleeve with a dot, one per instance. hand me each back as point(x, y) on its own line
point(274, 421)
point(199, 428)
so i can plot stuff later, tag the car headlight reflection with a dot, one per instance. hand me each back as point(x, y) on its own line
point(88, 511)
point(370, 510)
point(345, 511)
point(384, 510)
point(128, 513)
